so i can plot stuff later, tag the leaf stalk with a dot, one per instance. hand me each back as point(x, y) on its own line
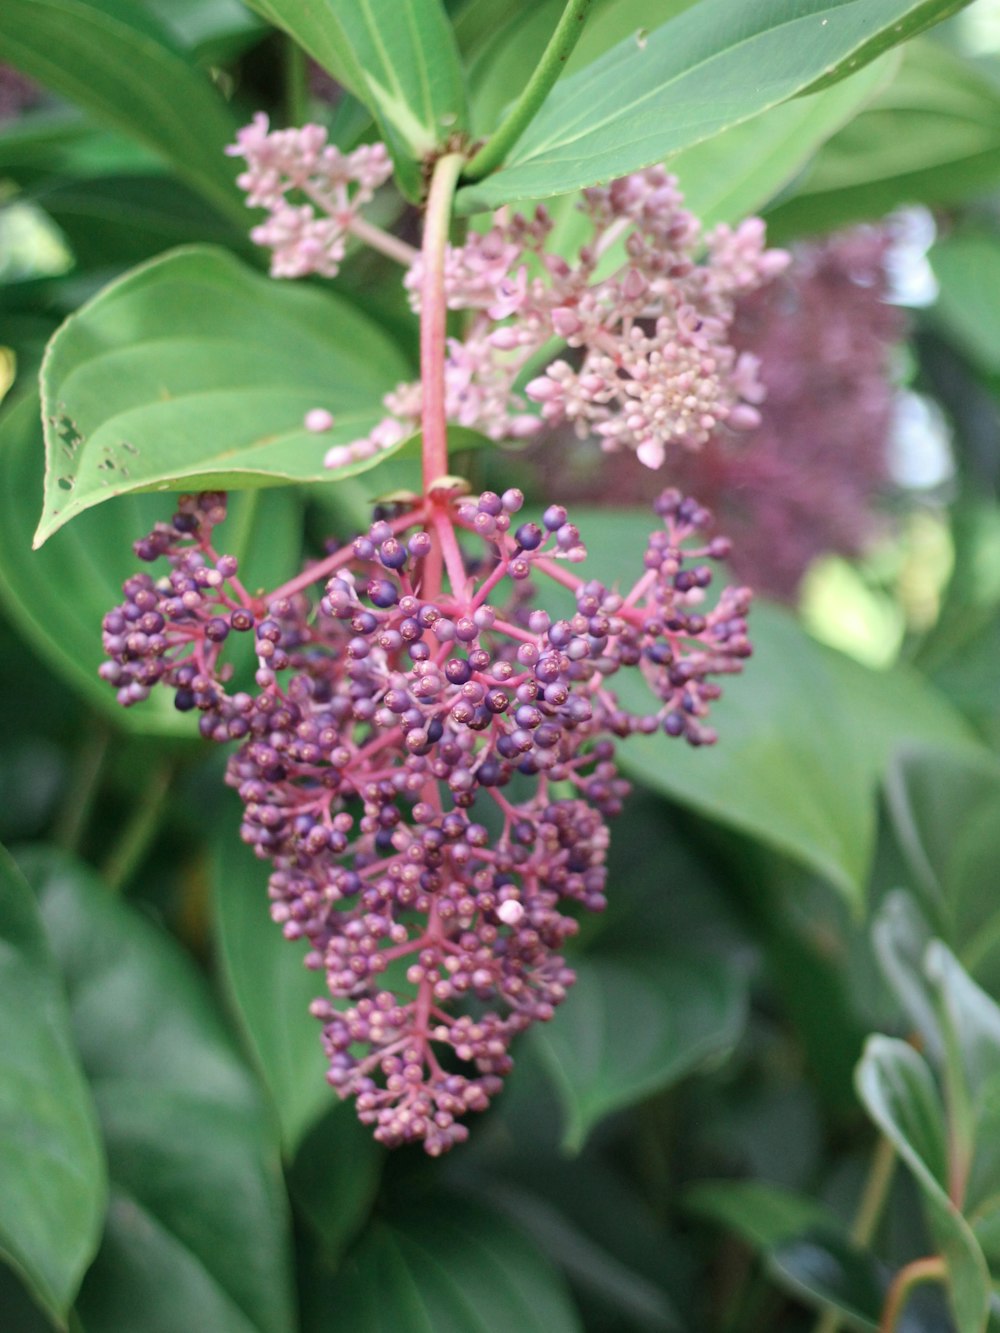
point(565, 37)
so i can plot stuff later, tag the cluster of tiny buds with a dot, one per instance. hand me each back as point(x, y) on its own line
point(426, 758)
point(308, 236)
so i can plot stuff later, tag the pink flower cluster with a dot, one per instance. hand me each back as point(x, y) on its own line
point(652, 364)
point(309, 236)
point(646, 309)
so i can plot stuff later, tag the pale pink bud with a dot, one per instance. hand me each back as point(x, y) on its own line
point(318, 419)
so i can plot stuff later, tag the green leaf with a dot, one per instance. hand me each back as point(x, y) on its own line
point(597, 1229)
point(933, 796)
point(831, 1275)
point(335, 1178)
point(198, 1208)
point(738, 171)
point(269, 986)
point(932, 136)
point(802, 779)
point(761, 1214)
point(402, 62)
point(900, 935)
point(112, 58)
point(631, 1027)
point(59, 595)
point(782, 770)
point(113, 222)
point(450, 1266)
point(54, 1177)
point(214, 31)
point(192, 371)
point(899, 1093)
point(966, 266)
point(654, 94)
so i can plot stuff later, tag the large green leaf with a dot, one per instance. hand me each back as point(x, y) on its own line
point(933, 797)
point(401, 61)
point(451, 1267)
point(115, 60)
point(270, 988)
point(932, 137)
point(654, 94)
point(763, 1215)
point(830, 1275)
point(59, 595)
point(198, 1211)
point(740, 170)
point(54, 1178)
point(193, 371)
point(596, 1227)
point(633, 1026)
point(212, 30)
point(967, 268)
point(737, 172)
point(898, 1090)
point(799, 777)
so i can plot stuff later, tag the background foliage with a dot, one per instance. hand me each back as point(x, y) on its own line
point(774, 1087)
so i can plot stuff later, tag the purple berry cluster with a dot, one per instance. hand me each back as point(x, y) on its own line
point(426, 758)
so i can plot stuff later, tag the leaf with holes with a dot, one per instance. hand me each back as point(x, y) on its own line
point(58, 596)
point(193, 371)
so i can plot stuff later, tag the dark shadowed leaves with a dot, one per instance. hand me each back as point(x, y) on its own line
point(198, 1209)
point(54, 1179)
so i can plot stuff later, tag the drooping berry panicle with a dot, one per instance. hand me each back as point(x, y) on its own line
point(425, 756)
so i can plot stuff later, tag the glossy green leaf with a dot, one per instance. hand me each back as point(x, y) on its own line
point(113, 58)
point(933, 796)
point(270, 987)
point(831, 1275)
point(737, 172)
point(932, 136)
point(212, 30)
point(631, 1027)
point(800, 778)
point(193, 371)
point(451, 1266)
point(900, 936)
point(761, 1214)
point(334, 1178)
point(112, 222)
point(402, 62)
point(198, 1209)
point(59, 595)
point(654, 94)
point(898, 1090)
point(54, 1188)
point(966, 267)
